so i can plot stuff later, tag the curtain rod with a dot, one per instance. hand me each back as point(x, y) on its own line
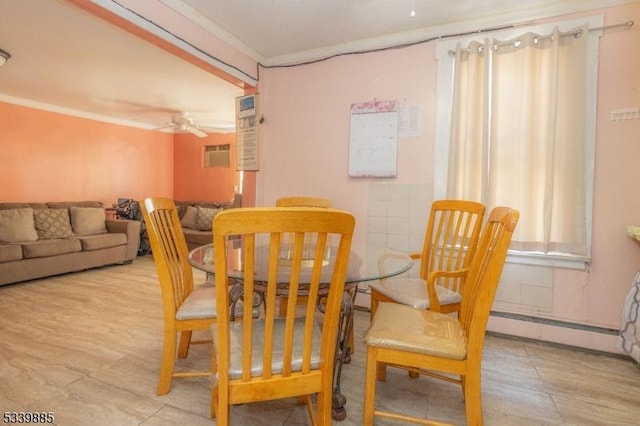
point(608, 27)
point(627, 24)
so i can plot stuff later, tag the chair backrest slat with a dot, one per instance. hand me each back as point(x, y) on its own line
point(451, 238)
point(484, 274)
point(170, 252)
point(303, 201)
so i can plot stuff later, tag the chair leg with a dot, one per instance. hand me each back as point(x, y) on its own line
point(370, 387)
point(313, 416)
point(381, 371)
point(473, 399)
point(220, 407)
point(282, 305)
point(214, 401)
point(214, 384)
point(324, 403)
point(185, 341)
point(352, 341)
point(168, 361)
point(381, 367)
point(374, 306)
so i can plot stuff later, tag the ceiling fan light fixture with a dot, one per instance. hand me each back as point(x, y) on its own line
point(184, 122)
point(4, 57)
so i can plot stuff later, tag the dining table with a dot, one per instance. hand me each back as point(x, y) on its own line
point(371, 262)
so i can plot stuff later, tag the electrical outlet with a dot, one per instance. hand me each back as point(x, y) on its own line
point(625, 114)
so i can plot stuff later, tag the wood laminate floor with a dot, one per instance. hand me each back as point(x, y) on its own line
point(86, 347)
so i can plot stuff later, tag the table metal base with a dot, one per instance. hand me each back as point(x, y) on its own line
point(343, 352)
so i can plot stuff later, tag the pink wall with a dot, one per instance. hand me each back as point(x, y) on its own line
point(45, 156)
point(193, 181)
point(305, 141)
point(305, 135)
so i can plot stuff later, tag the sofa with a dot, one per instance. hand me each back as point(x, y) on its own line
point(196, 218)
point(38, 240)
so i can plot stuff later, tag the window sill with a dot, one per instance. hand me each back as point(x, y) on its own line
point(566, 262)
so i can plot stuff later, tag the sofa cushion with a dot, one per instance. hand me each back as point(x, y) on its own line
point(189, 218)
point(8, 206)
point(68, 204)
point(210, 204)
point(45, 248)
point(88, 220)
point(10, 252)
point(102, 241)
point(16, 225)
point(181, 207)
point(52, 223)
point(204, 217)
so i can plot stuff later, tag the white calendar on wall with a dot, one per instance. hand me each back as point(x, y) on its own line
point(373, 139)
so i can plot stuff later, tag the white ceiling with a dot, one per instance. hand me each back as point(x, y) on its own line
point(280, 30)
point(65, 59)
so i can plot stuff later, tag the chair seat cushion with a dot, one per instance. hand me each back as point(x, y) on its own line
point(235, 347)
point(404, 328)
point(413, 292)
point(200, 303)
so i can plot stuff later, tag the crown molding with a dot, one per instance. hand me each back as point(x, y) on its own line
point(73, 112)
point(523, 16)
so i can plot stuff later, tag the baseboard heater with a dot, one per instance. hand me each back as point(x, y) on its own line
point(539, 320)
point(556, 323)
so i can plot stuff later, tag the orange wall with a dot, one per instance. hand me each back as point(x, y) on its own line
point(45, 156)
point(193, 181)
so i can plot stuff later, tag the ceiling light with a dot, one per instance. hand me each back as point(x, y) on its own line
point(412, 14)
point(4, 57)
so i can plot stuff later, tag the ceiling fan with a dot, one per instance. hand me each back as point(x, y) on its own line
point(182, 121)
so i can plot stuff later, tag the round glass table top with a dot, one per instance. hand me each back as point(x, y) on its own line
point(377, 263)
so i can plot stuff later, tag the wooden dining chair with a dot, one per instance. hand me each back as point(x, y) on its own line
point(272, 357)
point(186, 307)
point(450, 241)
point(437, 344)
point(299, 201)
point(303, 201)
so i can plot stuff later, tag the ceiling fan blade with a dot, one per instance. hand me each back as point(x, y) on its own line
point(196, 131)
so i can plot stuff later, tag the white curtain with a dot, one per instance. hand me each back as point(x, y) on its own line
point(518, 138)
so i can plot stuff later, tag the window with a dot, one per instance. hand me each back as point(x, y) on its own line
point(516, 127)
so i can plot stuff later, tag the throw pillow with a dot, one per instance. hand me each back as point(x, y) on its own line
point(52, 223)
point(16, 225)
point(88, 220)
point(204, 217)
point(189, 218)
